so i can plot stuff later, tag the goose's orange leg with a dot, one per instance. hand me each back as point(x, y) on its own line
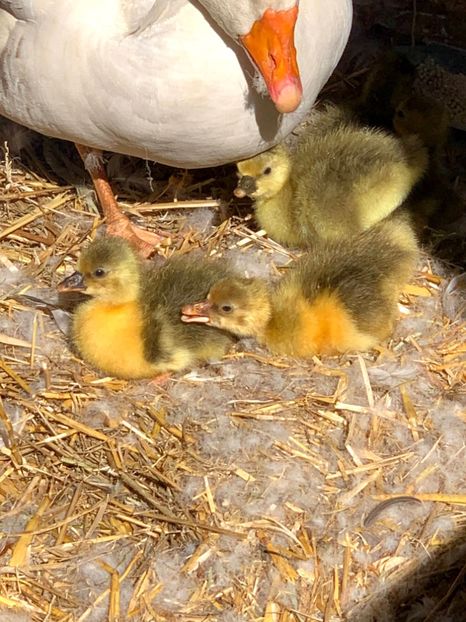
point(117, 223)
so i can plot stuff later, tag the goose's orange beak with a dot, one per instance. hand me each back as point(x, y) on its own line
point(270, 43)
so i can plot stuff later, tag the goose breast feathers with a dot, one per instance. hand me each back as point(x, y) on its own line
point(159, 80)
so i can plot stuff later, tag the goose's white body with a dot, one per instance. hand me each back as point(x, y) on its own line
point(155, 79)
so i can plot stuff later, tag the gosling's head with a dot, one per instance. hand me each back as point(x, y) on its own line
point(108, 269)
point(422, 116)
point(263, 176)
point(239, 306)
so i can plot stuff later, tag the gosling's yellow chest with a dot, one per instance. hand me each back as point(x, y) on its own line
point(109, 337)
point(321, 326)
point(326, 327)
point(273, 215)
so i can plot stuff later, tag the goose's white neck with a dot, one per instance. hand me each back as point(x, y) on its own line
point(237, 18)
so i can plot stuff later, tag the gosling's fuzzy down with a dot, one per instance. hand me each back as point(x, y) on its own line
point(130, 326)
point(341, 180)
point(433, 200)
point(389, 82)
point(340, 296)
point(424, 117)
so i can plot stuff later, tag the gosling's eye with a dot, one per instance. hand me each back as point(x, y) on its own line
point(99, 273)
point(267, 171)
point(226, 308)
point(400, 114)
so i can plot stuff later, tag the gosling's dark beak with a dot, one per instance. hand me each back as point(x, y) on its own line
point(73, 283)
point(246, 186)
point(198, 313)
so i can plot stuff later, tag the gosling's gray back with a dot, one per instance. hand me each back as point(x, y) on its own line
point(181, 281)
point(367, 271)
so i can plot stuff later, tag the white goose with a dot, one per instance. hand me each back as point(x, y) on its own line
point(166, 80)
